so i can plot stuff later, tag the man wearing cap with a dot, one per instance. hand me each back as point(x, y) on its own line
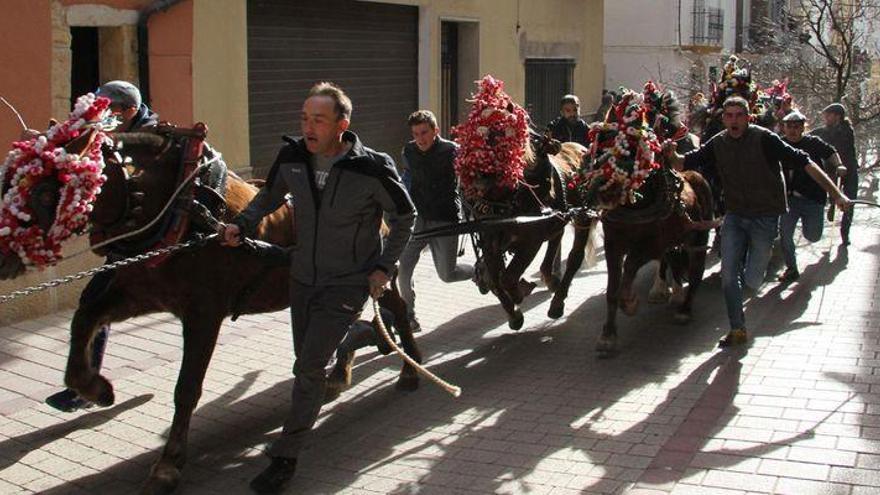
point(806, 200)
point(749, 161)
point(125, 102)
point(838, 132)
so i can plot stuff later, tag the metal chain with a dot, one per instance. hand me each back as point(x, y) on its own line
point(103, 268)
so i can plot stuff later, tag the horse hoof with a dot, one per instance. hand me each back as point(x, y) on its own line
point(99, 391)
point(556, 310)
point(331, 394)
point(516, 320)
point(682, 317)
point(407, 383)
point(163, 480)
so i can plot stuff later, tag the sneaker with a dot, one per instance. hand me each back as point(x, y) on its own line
point(275, 477)
point(789, 275)
point(68, 401)
point(738, 336)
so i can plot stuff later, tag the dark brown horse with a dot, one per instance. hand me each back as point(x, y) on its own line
point(540, 193)
point(674, 217)
point(201, 286)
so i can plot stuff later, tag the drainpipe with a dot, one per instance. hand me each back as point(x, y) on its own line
point(143, 37)
point(739, 29)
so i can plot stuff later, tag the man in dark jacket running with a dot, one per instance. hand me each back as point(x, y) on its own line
point(806, 200)
point(838, 132)
point(340, 190)
point(429, 173)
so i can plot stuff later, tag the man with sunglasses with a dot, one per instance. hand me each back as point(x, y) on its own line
point(806, 200)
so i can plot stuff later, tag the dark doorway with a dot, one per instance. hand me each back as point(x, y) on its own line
point(85, 66)
point(449, 76)
point(547, 81)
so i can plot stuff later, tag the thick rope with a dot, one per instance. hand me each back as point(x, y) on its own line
point(452, 389)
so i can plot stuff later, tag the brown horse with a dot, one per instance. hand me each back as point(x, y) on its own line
point(673, 217)
point(201, 286)
point(540, 192)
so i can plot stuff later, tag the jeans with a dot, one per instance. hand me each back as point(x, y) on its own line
point(444, 250)
point(812, 216)
point(746, 246)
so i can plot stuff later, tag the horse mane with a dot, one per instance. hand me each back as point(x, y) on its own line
point(570, 159)
point(140, 139)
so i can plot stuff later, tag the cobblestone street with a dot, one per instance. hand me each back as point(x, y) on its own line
point(797, 413)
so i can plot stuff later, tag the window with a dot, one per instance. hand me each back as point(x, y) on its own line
point(547, 81)
point(708, 28)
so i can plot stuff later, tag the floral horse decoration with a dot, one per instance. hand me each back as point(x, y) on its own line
point(33, 225)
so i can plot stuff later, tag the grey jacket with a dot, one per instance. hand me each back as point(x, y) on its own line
point(337, 236)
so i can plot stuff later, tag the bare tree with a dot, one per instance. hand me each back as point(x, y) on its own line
point(826, 48)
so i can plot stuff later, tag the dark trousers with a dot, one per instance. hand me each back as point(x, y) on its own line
point(851, 189)
point(320, 318)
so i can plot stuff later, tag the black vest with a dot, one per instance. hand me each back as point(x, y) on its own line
point(433, 182)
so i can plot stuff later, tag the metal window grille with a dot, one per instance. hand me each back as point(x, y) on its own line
point(547, 81)
point(708, 24)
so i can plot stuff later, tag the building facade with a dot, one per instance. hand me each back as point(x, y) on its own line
point(243, 67)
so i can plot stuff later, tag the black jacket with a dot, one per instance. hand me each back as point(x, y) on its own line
point(562, 130)
point(430, 177)
point(337, 237)
point(144, 118)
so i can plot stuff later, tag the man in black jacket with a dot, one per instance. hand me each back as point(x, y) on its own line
point(838, 132)
point(569, 127)
point(340, 190)
point(806, 200)
point(429, 174)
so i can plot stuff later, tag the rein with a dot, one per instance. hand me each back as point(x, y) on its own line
point(158, 217)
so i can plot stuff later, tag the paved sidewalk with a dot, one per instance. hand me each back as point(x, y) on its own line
point(798, 413)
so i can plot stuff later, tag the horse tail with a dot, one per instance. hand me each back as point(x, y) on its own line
point(591, 258)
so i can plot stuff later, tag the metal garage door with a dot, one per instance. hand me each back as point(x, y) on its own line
point(370, 49)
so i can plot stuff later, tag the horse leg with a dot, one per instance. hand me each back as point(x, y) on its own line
point(551, 281)
point(392, 301)
point(696, 267)
point(572, 265)
point(80, 374)
point(606, 346)
point(199, 337)
point(494, 269)
point(660, 290)
point(510, 278)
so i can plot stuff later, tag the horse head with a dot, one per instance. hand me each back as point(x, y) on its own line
point(140, 173)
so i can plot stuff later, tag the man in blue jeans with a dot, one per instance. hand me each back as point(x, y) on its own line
point(749, 161)
point(806, 200)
